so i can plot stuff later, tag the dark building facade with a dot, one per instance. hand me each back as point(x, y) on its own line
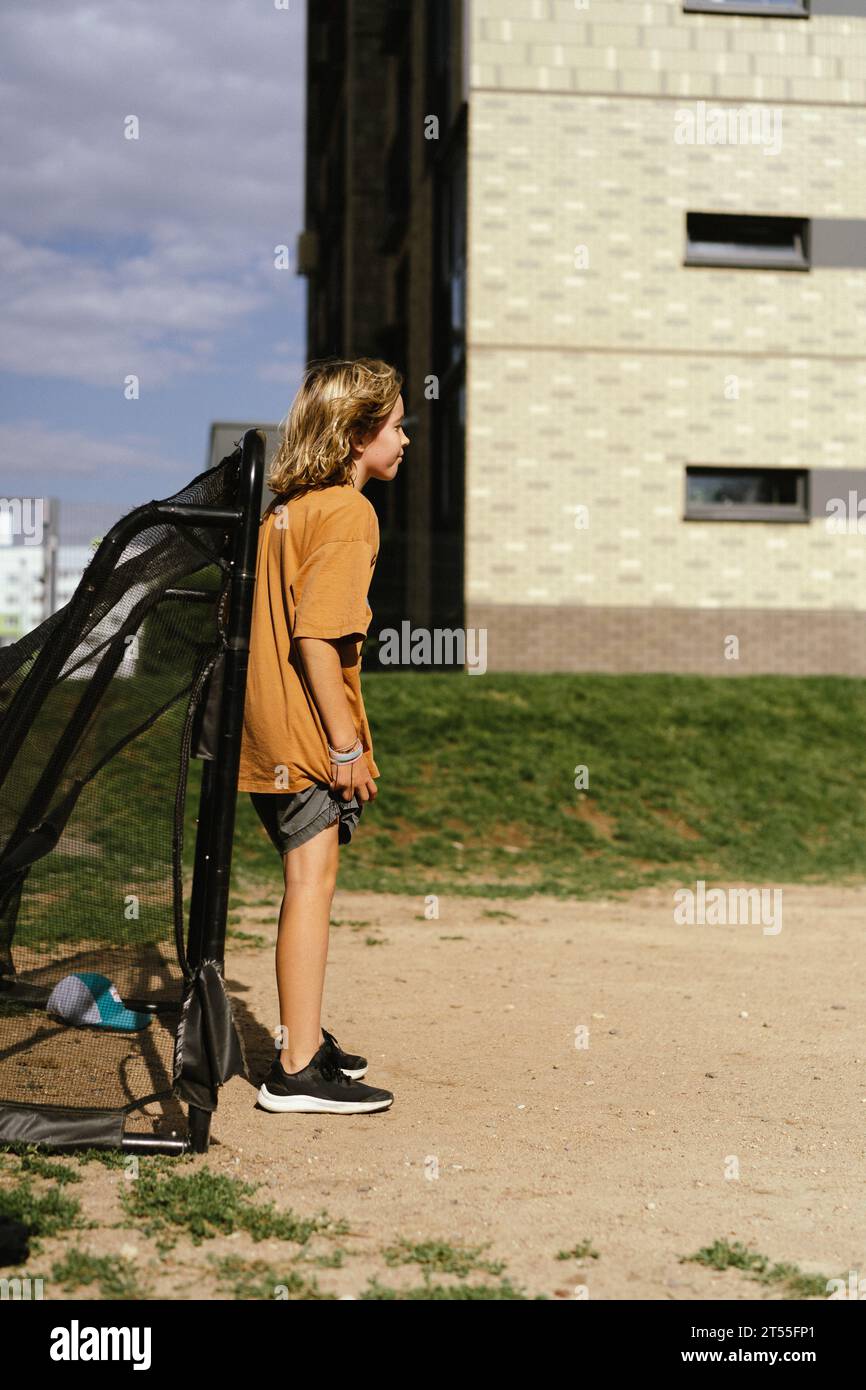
point(384, 252)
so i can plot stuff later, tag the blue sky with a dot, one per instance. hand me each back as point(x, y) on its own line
point(151, 257)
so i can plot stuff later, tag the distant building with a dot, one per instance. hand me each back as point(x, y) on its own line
point(224, 437)
point(72, 560)
point(80, 526)
point(45, 547)
point(640, 241)
point(27, 564)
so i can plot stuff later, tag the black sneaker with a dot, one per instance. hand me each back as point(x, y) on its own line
point(319, 1088)
point(348, 1062)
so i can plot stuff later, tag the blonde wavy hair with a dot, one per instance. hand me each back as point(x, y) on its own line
point(337, 399)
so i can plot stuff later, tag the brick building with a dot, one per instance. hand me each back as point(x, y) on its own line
point(631, 274)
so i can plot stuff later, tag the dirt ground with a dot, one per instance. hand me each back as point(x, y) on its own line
point(721, 1094)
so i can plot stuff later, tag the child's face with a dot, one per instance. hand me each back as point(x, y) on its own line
point(380, 457)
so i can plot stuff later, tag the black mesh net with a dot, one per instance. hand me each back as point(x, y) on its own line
point(97, 708)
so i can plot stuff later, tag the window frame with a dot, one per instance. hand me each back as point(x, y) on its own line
point(750, 258)
point(763, 9)
point(798, 511)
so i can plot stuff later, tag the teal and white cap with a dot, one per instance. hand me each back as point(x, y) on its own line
point(86, 998)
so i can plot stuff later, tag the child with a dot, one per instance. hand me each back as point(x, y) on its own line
point(306, 754)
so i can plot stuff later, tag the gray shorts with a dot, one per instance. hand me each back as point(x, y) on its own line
point(292, 818)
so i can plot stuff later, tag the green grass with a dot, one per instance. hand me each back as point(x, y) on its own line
point(430, 1292)
point(440, 1257)
point(117, 1277)
point(252, 941)
point(335, 1259)
point(44, 1213)
point(791, 1280)
point(31, 1157)
point(582, 1251)
point(35, 1162)
point(204, 1204)
point(116, 1159)
point(755, 778)
point(256, 1279)
point(761, 779)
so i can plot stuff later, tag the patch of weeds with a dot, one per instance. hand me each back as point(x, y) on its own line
point(794, 1283)
point(117, 1277)
point(336, 1259)
point(500, 914)
point(375, 941)
point(33, 1160)
point(351, 922)
point(440, 1257)
point(245, 938)
point(14, 1008)
point(428, 1292)
point(44, 1213)
point(722, 1255)
point(582, 1251)
point(43, 1167)
point(205, 1204)
point(453, 938)
point(109, 1158)
point(256, 1279)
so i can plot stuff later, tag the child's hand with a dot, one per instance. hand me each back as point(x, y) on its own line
point(354, 779)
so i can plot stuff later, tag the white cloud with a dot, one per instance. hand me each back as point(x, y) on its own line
point(286, 366)
point(31, 446)
point(80, 318)
point(146, 256)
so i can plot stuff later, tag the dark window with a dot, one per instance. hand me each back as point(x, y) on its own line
point(398, 19)
point(398, 159)
point(401, 313)
point(791, 9)
point(447, 557)
point(746, 494)
point(439, 48)
point(451, 289)
point(743, 240)
point(449, 492)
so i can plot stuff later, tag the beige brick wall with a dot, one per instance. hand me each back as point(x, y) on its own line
point(614, 46)
point(550, 432)
point(595, 386)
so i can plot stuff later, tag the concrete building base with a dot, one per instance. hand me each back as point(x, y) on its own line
point(679, 640)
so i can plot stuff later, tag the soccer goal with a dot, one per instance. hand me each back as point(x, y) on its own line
point(113, 1010)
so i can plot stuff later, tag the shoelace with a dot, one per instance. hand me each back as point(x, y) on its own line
point(329, 1067)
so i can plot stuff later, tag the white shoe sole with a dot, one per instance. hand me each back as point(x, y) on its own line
point(355, 1075)
point(312, 1105)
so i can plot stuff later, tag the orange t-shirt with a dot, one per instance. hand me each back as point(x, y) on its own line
point(316, 556)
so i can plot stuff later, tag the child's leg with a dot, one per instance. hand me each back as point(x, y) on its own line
point(302, 943)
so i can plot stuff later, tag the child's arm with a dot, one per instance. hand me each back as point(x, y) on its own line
point(322, 658)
